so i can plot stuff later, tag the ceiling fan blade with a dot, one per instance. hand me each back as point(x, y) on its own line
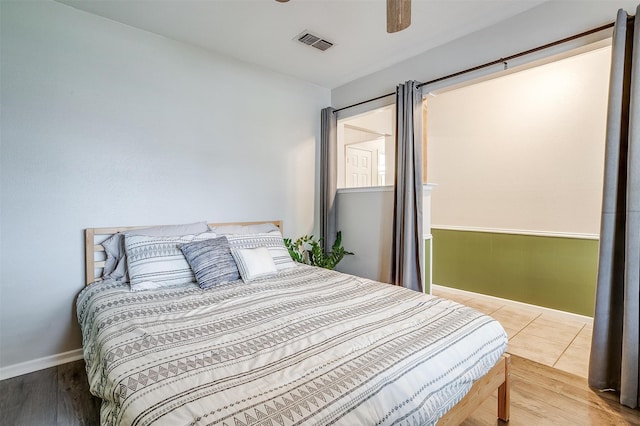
point(398, 15)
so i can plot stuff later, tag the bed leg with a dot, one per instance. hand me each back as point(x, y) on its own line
point(504, 392)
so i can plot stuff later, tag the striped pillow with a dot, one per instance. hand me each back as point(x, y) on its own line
point(211, 261)
point(272, 241)
point(115, 266)
point(155, 262)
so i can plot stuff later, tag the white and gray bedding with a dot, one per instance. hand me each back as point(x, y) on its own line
point(309, 346)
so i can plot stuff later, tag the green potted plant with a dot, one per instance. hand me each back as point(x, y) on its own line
point(308, 250)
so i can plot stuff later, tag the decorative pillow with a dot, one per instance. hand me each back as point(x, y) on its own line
point(155, 262)
point(254, 263)
point(115, 265)
point(211, 261)
point(272, 241)
point(260, 228)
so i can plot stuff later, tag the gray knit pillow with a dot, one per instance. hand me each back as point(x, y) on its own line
point(211, 261)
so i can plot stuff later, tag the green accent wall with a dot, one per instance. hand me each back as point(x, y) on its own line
point(554, 272)
point(427, 265)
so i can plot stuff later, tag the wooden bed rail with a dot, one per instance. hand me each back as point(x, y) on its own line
point(499, 377)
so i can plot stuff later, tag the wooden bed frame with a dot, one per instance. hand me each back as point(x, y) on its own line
point(498, 378)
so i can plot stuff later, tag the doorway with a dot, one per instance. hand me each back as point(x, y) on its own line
point(518, 160)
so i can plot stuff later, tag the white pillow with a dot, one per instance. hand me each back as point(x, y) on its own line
point(272, 241)
point(155, 262)
point(254, 263)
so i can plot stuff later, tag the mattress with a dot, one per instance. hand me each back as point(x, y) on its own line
point(310, 346)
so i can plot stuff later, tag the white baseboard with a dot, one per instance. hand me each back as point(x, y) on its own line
point(39, 364)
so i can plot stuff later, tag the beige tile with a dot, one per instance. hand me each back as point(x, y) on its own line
point(441, 291)
point(574, 360)
point(511, 332)
point(554, 339)
point(568, 319)
point(559, 333)
point(524, 308)
point(583, 339)
point(460, 298)
point(535, 348)
point(553, 318)
point(456, 297)
point(484, 306)
point(514, 318)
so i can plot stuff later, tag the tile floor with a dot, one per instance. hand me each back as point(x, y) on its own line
point(554, 338)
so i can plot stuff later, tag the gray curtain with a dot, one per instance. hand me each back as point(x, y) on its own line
point(407, 250)
point(328, 175)
point(614, 362)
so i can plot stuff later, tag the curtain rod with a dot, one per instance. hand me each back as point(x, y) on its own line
point(497, 61)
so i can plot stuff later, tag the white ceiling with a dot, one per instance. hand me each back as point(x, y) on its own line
point(262, 32)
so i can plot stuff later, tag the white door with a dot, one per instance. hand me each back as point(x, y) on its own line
point(358, 167)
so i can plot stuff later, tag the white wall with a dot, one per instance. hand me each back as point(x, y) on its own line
point(106, 125)
point(524, 151)
point(546, 23)
point(365, 218)
point(367, 215)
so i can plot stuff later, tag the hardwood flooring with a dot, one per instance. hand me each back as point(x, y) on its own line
point(55, 396)
point(540, 395)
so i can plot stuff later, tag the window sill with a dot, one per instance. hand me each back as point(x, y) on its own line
point(427, 187)
point(388, 188)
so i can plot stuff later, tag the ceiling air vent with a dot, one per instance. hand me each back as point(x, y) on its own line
point(313, 41)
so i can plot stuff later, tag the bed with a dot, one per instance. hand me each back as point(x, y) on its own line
point(303, 346)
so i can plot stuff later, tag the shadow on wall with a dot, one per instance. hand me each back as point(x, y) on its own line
point(366, 218)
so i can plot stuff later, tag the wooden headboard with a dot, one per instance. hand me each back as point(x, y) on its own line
point(94, 251)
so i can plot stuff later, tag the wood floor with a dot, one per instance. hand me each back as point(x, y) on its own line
point(540, 395)
point(55, 396)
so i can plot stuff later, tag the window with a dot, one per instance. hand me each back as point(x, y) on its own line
point(366, 149)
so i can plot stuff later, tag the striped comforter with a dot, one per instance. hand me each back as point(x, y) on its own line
point(311, 346)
